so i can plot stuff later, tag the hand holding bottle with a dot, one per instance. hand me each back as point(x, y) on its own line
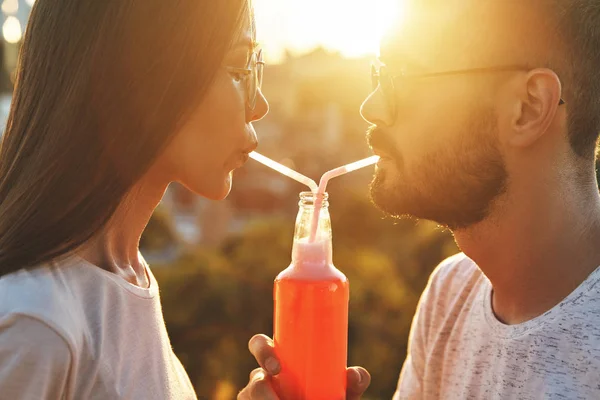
point(259, 387)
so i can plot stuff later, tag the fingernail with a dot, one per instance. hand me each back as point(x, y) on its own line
point(252, 346)
point(360, 377)
point(272, 365)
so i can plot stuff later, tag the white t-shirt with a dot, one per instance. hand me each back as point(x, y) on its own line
point(459, 350)
point(75, 331)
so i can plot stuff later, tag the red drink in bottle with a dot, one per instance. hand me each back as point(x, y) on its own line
point(311, 315)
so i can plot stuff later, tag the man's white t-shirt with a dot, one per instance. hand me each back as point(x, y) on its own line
point(75, 331)
point(458, 349)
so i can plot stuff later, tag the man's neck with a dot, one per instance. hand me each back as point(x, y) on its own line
point(536, 249)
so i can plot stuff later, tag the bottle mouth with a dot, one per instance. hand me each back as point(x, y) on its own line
point(310, 198)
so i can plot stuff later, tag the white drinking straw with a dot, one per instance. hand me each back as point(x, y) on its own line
point(290, 173)
point(323, 186)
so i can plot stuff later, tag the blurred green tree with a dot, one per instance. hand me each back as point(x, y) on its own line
point(159, 234)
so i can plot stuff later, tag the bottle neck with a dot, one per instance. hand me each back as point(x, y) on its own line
point(319, 249)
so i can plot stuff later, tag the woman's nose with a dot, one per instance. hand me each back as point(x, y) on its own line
point(260, 109)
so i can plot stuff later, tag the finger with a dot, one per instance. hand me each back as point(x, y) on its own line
point(358, 380)
point(260, 388)
point(244, 394)
point(262, 349)
point(255, 372)
point(256, 376)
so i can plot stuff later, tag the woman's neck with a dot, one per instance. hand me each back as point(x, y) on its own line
point(116, 247)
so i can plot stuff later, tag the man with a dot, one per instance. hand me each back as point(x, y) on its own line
point(486, 117)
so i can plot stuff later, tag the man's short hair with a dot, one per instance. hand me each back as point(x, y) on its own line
point(578, 25)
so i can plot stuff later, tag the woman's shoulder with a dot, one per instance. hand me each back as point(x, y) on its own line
point(43, 293)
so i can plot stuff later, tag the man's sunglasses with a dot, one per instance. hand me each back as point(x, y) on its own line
point(387, 82)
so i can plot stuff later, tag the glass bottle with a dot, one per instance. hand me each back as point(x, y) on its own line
point(311, 314)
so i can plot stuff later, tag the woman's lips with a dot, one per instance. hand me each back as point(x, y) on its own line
point(244, 158)
point(237, 161)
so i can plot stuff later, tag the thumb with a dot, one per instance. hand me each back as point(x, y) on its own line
point(358, 381)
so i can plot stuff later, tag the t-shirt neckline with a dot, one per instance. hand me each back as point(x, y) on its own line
point(505, 331)
point(147, 293)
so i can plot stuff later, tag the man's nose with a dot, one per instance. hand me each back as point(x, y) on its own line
point(375, 109)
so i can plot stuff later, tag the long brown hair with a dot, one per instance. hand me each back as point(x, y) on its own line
point(102, 86)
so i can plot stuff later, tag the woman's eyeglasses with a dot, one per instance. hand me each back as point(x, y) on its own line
point(252, 76)
point(387, 82)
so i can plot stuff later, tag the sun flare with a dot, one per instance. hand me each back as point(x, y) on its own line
point(352, 27)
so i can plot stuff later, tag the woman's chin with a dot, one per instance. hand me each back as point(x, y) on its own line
point(227, 184)
point(218, 190)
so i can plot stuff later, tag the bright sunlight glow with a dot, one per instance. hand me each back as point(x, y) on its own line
point(352, 27)
point(10, 6)
point(12, 30)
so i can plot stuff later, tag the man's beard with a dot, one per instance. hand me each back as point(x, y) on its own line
point(455, 186)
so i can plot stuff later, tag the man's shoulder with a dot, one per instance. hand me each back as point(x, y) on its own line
point(455, 269)
point(452, 281)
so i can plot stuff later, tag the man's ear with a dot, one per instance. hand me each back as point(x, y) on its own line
point(534, 108)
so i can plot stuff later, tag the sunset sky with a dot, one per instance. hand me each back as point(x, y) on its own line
point(352, 27)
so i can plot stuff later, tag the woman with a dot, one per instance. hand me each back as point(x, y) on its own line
point(114, 99)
